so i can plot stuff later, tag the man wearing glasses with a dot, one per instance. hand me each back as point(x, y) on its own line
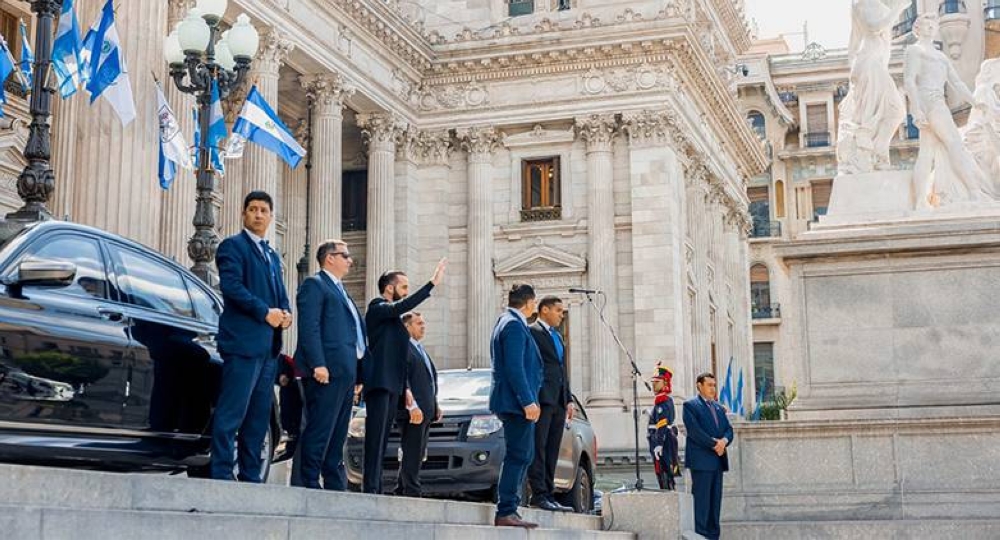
point(332, 341)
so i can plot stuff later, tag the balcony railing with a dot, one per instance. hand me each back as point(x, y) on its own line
point(547, 213)
point(772, 311)
point(766, 229)
point(992, 10)
point(949, 7)
point(818, 140)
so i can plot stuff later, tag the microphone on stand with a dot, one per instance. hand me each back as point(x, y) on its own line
point(584, 291)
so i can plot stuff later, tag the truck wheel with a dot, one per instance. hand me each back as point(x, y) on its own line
point(581, 496)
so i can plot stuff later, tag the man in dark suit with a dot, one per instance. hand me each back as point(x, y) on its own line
point(517, 377)
point(556, 402)
point(385, 372)
point(708, 436)
point(331, 343)
point(255, 312)
point(422, 410)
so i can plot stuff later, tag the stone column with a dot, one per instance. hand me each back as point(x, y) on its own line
point(293, 208)
point(480, 143)
point(328, 93)
point(179, 200)
point(115, 168)
point(430, 202)
point(260, 166)
point(380, 131)
point(599, 131)
point(407, 157)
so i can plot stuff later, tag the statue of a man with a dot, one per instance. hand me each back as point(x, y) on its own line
point(944, 166)
point(872, 111)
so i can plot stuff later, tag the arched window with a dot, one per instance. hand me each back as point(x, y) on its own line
point(757, 122)
point(760, 292)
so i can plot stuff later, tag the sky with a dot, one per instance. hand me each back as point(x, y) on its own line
point(829, 20)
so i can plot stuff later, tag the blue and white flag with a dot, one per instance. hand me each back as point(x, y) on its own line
point(108, 72)
point(7, 66)
point(27, 59)
point(726, 393)
point(259, 124)
point(173, 148)
point(217, 132)
point(214, 152)
point(738, 408)
point(760, 399)
point(66, 51)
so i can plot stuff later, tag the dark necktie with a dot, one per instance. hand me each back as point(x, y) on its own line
point(266, 253)
point(711, 411)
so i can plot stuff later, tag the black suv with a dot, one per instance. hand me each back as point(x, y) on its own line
point(466, 448)
point(107, 354)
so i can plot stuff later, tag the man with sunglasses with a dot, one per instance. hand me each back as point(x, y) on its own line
point(332, 341)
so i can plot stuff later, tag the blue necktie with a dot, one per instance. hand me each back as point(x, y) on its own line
point(557, 339)
point(266, 252)
point(427, 364)
point(359, 344)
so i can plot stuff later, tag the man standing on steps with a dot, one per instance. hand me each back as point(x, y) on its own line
point(331, 343)
point(517, 377)
point(708, 436)
point(384, 374)
point(556, 402)
point(255, 314)
point(422, 389)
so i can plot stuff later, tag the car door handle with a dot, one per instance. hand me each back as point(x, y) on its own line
point(111, 314)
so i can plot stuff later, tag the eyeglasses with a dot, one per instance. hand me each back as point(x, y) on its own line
point(341, 254)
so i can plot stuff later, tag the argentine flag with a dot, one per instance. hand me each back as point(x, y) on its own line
point(259, 124)
point(27, 59)
point(108, 72)
point(173, 148)
point(66, 50)
point(7, 66)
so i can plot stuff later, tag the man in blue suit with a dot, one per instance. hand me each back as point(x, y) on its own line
point(332, 341)
point(254, 314)
point(708, 436)
point(517, 378)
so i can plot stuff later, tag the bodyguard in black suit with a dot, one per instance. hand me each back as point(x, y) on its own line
point(331, 342)
point(556, 402)
point(254, 315)
point(708, 436)
point(422, 388)
point(385, 372)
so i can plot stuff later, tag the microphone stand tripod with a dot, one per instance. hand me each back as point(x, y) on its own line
point(636, 375)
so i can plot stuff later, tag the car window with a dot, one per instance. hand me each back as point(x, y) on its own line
point(464, 385)
point(91, 278)
point(151, 284)
point(205, 308)
point(580, 411)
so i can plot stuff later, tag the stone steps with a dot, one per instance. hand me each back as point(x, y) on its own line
point(41, 503)
point(924, 529)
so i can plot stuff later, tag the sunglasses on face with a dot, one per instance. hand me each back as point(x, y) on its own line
point(341, 254)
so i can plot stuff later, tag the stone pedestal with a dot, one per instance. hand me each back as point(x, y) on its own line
point(651, 515)
point(896, 320)
point(869, 197)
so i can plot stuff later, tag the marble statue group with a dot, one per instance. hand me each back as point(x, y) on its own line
point(954, 166)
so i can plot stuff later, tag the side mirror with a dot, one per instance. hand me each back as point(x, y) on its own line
point(41, 272)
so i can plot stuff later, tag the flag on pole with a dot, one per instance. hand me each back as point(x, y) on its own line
point(215, 153)
point(108, 71)
point(66, 51)
point(726, 393)
point(173, 147)
point(7, 66)
point(760, 399)
point(27, 59)
point(259, 124)
point(738, 406)
point(217, 132)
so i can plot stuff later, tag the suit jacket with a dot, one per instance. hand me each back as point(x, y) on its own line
point(389, 341)
point(555, 383)
point(517, 369)
point(248, 292)
point(423, 383)
point(327, 334)
point(701, 432)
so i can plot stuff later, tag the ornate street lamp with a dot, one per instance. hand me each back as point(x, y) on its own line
point(37, 181)
point(197, 55)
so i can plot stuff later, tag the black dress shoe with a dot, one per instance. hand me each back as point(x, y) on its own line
point(550, 505)
point(562, 507)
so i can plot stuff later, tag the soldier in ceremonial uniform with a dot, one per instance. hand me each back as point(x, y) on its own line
point(662, 433)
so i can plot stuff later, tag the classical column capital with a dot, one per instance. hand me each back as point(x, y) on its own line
point(434, 147)
point(598, 130)
point(479, 141)
point(650, 128)
point(273, 51)
point(302, 131)
point(328, 91)
point(176, 11)
point(381, 130)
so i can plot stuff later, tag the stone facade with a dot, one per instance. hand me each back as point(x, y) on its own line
point(653, 153)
